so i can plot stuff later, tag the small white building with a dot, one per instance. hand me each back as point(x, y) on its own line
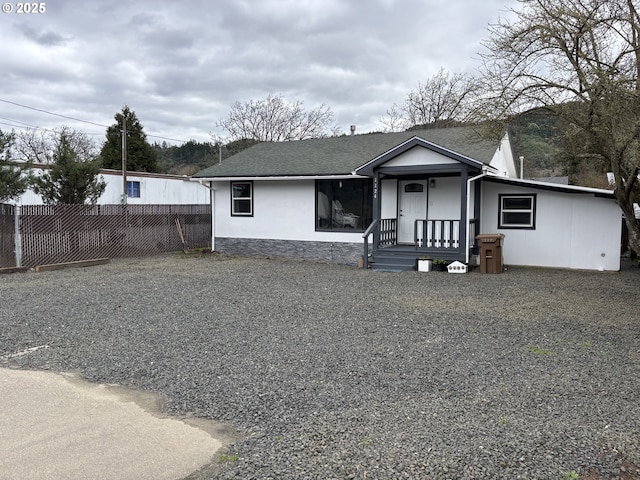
point(142, 189)
point(400, 196)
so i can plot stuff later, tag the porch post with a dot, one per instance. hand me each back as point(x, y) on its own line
point(462, 241)
point(376, 208)
point(476, 211)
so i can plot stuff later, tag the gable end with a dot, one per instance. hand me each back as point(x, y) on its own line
point(369, 167)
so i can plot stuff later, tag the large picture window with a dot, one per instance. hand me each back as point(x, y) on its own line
point(242, 199)
point(345, 205)
point(517, 211)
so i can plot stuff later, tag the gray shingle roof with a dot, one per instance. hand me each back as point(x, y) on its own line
point(339, 155)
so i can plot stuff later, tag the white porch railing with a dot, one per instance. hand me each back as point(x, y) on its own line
point(437, 234)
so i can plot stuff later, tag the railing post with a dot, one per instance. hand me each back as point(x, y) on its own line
point(365, 260)
point(370, 229)
point(18, 237)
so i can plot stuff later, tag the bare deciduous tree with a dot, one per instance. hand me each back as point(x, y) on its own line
point(38, 146)
point(440, 100)
point(395, 120)
point(276, 120)
point(580, 59)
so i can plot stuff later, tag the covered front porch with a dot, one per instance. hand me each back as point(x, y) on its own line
point(435, 239)
point(425, 203)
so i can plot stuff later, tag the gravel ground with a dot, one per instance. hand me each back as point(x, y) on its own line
point(330, 372)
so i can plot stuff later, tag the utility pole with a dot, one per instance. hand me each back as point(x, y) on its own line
point(124, 160)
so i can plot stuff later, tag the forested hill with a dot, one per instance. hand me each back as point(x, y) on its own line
point(193, 156)
point(551, 148)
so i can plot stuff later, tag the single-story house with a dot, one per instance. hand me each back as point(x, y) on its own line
point(142, 189)
point(392, 198)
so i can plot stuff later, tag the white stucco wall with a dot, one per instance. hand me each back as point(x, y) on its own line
point(282, 210)
point(444, 199)
point(573, 230)
point(389, 198)
point(154, 189)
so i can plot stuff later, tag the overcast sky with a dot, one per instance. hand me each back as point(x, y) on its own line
point(180, 65)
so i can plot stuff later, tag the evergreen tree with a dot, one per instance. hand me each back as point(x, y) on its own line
point(141, 156)
point(13, 181)
point(71, 178)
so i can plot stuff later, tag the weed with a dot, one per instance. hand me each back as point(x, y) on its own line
point(228, 458)
point(365, 441)
point(539, 351)
point(572, 475)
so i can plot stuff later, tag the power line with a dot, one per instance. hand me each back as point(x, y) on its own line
point(77, 120)
point(18, 121)
point(52, 113)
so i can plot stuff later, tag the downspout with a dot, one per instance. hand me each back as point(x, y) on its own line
point(468, 240)
point(212, 202)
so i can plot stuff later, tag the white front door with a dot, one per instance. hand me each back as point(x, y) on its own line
point(412, 206)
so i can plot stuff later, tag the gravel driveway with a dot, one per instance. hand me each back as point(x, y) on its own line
point(330, 372)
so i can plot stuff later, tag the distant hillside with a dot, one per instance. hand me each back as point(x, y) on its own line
point(538, 136)
point(192, 156)
point(535, 136)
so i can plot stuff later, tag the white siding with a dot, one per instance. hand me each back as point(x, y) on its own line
point(572, 230)
point(419, 156)
point(154, 189)
point(282, 210)
point(503, 160)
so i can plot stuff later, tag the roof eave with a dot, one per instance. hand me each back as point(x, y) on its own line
point(238, 178)
point(598, 192)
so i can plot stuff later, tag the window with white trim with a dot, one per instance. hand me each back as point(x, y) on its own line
point(517, 211)
point(242, 199)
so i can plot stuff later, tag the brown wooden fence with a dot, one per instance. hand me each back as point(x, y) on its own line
point(65, 233)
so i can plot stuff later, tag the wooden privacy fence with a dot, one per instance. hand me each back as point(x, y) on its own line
point(67, 233)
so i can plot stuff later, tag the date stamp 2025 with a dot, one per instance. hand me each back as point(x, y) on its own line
point(24, 8)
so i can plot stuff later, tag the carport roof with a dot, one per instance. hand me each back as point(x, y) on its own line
point(340, 155)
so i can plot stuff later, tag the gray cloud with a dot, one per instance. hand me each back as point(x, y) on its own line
point(180, 65)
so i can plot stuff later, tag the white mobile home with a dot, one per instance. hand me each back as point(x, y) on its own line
point(142, 189)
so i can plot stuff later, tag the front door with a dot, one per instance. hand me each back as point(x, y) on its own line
point(412, 206)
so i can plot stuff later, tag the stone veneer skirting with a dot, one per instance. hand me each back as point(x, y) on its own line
point(332, 252)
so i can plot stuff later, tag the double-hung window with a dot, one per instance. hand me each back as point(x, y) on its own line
point(517, 211)
point(242, 199)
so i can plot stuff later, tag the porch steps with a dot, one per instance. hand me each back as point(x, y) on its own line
point(394, 262)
